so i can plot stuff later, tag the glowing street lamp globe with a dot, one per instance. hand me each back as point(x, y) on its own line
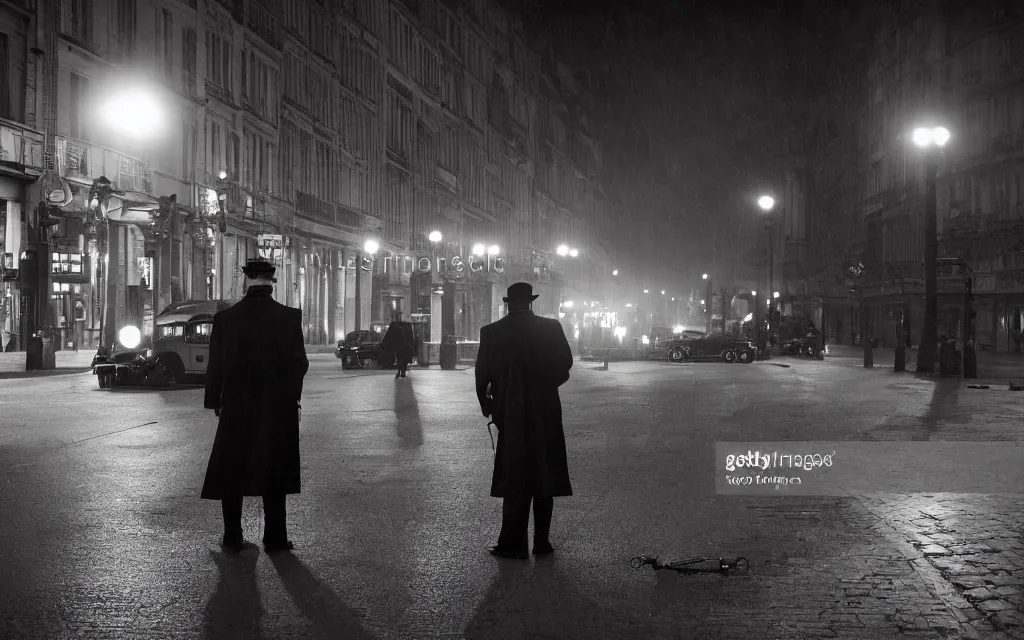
point(129, 336)
point(704, 277)
point(223, 175)
point(493, 250)
point(615, 273)
point(371, 246)
point(479, 249)
point(134, 111)
point(931, 136)
point(435, 236)
point(574, 253)
point(562, 250)
point(766, 202)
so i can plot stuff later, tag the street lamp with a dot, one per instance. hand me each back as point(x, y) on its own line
point(707, 309)
point(371, 247)
point(479, 249)
point(493, 250)
point(574, 253)
point(615, 273)
point(223, 175)
point(562, 250)
point(435, 236)
point(931, 140)
point(767, 204)
point(135, 111)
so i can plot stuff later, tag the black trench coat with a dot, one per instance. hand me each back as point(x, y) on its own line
point(525, 358)
point(254, 376)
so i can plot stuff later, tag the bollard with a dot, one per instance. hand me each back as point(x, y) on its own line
point(900, 364)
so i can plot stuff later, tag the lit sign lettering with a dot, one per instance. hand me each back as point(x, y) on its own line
point(424, 264)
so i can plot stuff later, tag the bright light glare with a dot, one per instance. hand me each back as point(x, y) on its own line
point(941, 136)
point(223, 175)
point(702, 302)
point(922, 137)
point(753, 293)
point(435, 236)
point(629, 305)
point(493, 250)
point(620, 332)
point(479, 250)
point(705, 276)
point(615, 273)
point(766, 202)
point(562, 250)
point(574, 253)
point(663, 292)
point(561, 314)
point(775, 295)
point(645, 340)
point(748, 317)
point(677, 329)
point(371, 246)
point(135, 112)
point(646, 291)
point(568, 304)
point(129, 336)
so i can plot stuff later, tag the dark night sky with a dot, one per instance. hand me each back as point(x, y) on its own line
point(707, 94)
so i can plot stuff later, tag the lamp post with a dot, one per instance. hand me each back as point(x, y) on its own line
point(436, 302)
point(136, 112)
point(371, 247)
point(707, 307)
point(931, 140)
point(767, 204)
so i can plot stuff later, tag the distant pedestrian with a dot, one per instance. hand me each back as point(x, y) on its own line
point(404, 352)
point(254, 384)
point(522, 360)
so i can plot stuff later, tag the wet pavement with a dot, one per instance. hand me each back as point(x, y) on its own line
point(104, 535)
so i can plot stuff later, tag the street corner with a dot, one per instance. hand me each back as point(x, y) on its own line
point(971, 546)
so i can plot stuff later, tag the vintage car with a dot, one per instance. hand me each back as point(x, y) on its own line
point(180, 351)
point(358, 348)
point(717, 346)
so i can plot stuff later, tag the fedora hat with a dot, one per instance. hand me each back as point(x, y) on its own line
point(520, 292)
point(259, 268)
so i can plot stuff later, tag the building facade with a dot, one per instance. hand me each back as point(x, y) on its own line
point(932, 62)
point(296, 130)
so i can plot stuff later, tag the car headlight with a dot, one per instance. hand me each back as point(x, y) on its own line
point(129, 336)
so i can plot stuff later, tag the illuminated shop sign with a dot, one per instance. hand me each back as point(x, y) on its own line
point(407, 264)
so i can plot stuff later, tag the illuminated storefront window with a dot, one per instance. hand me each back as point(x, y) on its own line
point(67, 263)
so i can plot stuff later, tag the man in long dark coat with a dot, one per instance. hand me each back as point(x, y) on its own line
point(522, 360)
point(254, 384)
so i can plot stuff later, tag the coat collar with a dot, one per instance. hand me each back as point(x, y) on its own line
point(259, 291)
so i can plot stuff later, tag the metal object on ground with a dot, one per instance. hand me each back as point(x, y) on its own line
point(691, 565)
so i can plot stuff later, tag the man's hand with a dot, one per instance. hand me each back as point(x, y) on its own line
point(216, 412)
point(486, 408)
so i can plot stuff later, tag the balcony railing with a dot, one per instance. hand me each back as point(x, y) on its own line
point(189, 84)
point(313, 208)
point(265, 24)
point(236, 7)
point(214, 90)
point(132, 175)
point(76, 20)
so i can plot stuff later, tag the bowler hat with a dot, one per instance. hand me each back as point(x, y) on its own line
point(520, 292)
point(259, 268)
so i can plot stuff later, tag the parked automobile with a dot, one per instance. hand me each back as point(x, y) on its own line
point(718, 346)
point(180, 353)
point(358, 348)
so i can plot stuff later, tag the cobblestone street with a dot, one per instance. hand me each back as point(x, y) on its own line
point(105, 536)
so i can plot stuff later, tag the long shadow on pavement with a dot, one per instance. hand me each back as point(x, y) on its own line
point(407, 414)
point(543, 603)
point(234, 609)
point(328, 613)
point(942, 407)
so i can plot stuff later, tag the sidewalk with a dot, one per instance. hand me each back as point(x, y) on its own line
point(12, 365)
point(992, 367)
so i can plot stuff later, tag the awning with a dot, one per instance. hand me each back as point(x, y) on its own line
point(131, 207)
